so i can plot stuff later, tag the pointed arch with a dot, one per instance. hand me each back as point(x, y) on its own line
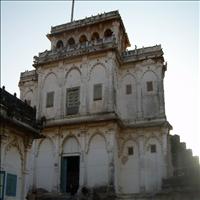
point(152, 137)
point(134, 141)
point(44, 164)
point(59, 44)
point(40, 143)
point(153, 163)
point(95, 36)
point(83, 39)
point(48, 75)
point(97, 161)
point(129, 176)
point(149, 71)
point(71, 69)
point(20, 148)
point(92, 136)
point(126, 75)
point(94, 66)
point(108, 33)
point(67, 139)
point(71, 41)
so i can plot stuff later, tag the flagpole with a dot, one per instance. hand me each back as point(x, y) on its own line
point(72, 11)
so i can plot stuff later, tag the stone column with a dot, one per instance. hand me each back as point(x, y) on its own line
point(27, 170)
point(84, 85)
point(83, 173)
point(142, 164)
point(39, 96)
point(161, 98)
point(110, 81)
point(25, 174)
point(56, 178)
point(60, 98)
point(62, 91)
point(110, 149)
point(35, 155)
point(166, 166)
point(139, 100)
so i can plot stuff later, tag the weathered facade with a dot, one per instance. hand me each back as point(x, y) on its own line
point(103, 106)
point(17, 131)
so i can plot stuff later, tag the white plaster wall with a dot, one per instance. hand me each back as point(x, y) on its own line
point(140, 105)
point(128, 102)
point(30, 167)
point(13, 165)
point(143, 171)
point(50, 84)
point(153, 166)
point(130, 181)
point(143, 104)
point(97, 162)
point(45, 165)
point(150, 100)
point(29, 97)
point(97, 76)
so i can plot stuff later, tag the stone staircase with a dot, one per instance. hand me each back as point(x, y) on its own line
point(43, 195)
point(186, 168)
point(100, 193)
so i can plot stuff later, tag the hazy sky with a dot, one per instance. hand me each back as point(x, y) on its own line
point(174, 25)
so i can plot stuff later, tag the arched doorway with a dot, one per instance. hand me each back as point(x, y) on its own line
point(70, 166)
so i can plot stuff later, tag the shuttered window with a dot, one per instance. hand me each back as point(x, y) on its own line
point(153, 148)
point(149, 86)
point(130, 151)
point(97, 92)
point(2, 184)
point(128, 89)
point(50, 99)
point(72, 101)
point(11, 185)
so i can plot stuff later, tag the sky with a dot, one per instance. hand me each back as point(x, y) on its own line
point(174, 25)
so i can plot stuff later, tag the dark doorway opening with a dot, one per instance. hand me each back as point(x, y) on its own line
point(70, 166)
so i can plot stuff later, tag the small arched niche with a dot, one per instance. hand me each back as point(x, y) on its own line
point(59, 44)
point(108, 33)
point(83, 39)
point(71, 41)
point(95, 36)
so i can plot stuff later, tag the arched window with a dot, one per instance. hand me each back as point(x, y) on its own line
point(59, 44)
point(108, 33)
point(83, 39)
point(71, 41)
point(95, 36)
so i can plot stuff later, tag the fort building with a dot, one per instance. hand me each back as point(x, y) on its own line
point(103, 112)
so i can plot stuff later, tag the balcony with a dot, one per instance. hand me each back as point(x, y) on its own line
point(18, 112)
point(83, 22)
point(75, 50)
point(142, 53)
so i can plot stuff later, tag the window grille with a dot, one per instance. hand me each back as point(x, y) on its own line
point(72, 101)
